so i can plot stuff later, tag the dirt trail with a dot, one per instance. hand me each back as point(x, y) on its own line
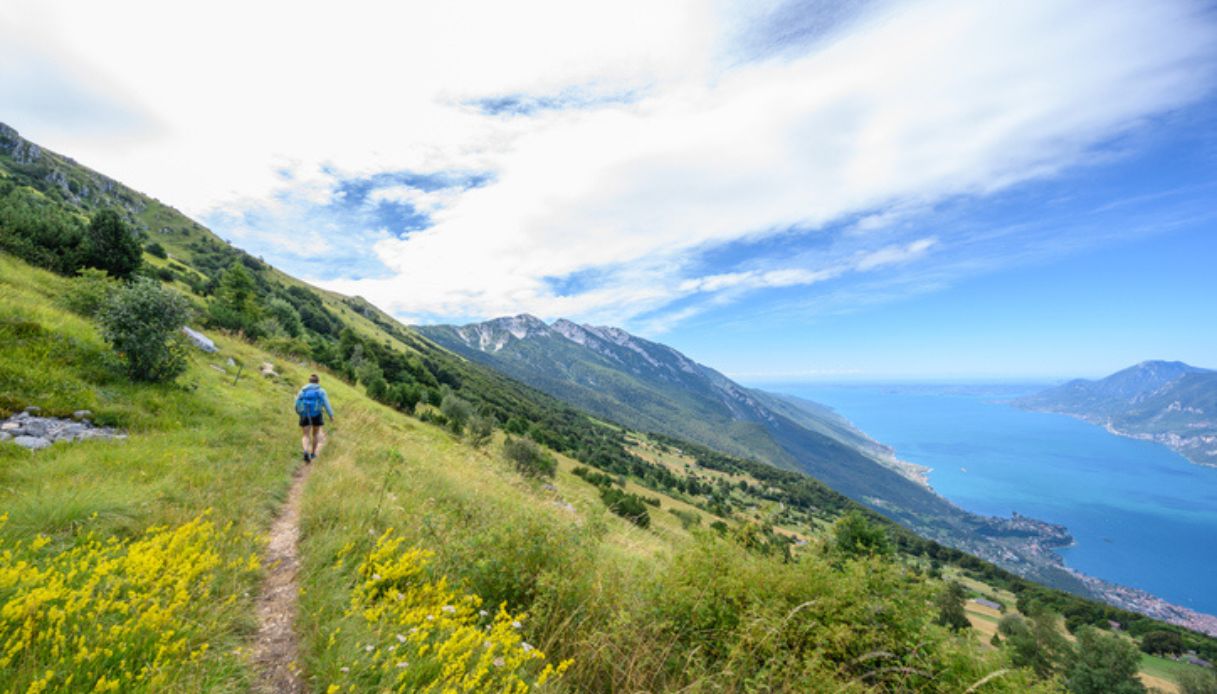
point(276, 647)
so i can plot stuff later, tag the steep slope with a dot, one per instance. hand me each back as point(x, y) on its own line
point(1171, 403)
point(652, 387)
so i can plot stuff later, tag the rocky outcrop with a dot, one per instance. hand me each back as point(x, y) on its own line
point(21, 150)
point(28, 430)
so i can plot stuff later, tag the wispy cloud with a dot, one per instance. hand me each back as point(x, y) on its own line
point(604, 161)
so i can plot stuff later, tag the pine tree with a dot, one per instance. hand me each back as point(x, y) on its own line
point(111, 245)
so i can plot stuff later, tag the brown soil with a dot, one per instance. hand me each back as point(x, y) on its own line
point(276, 647)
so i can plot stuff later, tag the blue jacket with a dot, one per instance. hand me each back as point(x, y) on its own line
point(325, 400)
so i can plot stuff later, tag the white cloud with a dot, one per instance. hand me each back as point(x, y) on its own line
point(909, 104)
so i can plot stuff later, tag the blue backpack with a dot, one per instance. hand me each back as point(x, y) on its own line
point(308, 402)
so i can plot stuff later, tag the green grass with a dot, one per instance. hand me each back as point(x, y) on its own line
point(197, 445)
point(1165, 668)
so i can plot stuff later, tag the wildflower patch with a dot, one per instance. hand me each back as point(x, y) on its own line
point(110, 614)
point(428, 636)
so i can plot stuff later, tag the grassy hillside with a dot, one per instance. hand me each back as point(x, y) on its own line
point(208, 461)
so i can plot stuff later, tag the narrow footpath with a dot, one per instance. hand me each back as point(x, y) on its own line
point(276, 647)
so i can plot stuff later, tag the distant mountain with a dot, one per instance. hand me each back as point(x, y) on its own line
point(1169, 402)
point(648, 386)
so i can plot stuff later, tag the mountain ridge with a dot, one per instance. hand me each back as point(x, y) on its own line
point(1167, 402)
point(651, 387)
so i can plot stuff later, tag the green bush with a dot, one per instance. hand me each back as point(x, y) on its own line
point(156, 249)
point(142, 322)
point(1104, 664)
point(529, 459)
point(457, 411)
point(481, 427)
point(286, 316)
point(1160, 642)
point(234, 306)
point(38, 231)
point(91, 291)
point(950, 607)
point(855, 536)
point(629, 506)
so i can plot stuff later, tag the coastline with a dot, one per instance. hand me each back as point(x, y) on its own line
point(1169, 440)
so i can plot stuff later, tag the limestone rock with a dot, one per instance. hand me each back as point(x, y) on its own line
point(33, 443)
point(200, 340)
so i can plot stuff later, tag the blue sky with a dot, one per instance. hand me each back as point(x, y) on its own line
point(781, 189)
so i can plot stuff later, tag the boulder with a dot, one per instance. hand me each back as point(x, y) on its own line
point(5, 436)
point(10, 426)
point(200, 340)
point(268, 370)
point(33, 409)
point(78, 415)
point(33, 443)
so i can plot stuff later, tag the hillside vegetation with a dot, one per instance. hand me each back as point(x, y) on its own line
point(431, 558)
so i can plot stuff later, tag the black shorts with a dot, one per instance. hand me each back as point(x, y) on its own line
point(307, 421)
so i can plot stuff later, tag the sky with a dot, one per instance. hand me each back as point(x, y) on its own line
point(782, 189)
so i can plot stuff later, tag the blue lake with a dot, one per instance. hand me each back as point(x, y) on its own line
point(1142, 515)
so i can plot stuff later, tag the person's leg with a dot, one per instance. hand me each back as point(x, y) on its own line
point(318, 440)
point(305, 444)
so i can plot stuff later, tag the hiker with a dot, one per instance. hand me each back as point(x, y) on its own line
point(310, 403)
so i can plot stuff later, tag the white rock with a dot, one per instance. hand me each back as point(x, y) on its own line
point(33, 443)
point(200, 340)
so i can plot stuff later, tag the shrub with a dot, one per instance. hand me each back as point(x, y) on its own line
point(598, 479)
point(91, 291)
point(457, 411)
point(529, 459)
point(1158, 642)
point(405, 396)
point(286, 316)
point(156, 249)
point(142, 322)
point(1105, 664)
point(234, 305)
point(629, 506)
point(950, 607)
point(481, 427)
point(111, 245)
point(164, 274)
point(39, 231)
point(855, 535)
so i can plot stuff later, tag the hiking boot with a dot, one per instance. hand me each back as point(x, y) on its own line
point(306, 458)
